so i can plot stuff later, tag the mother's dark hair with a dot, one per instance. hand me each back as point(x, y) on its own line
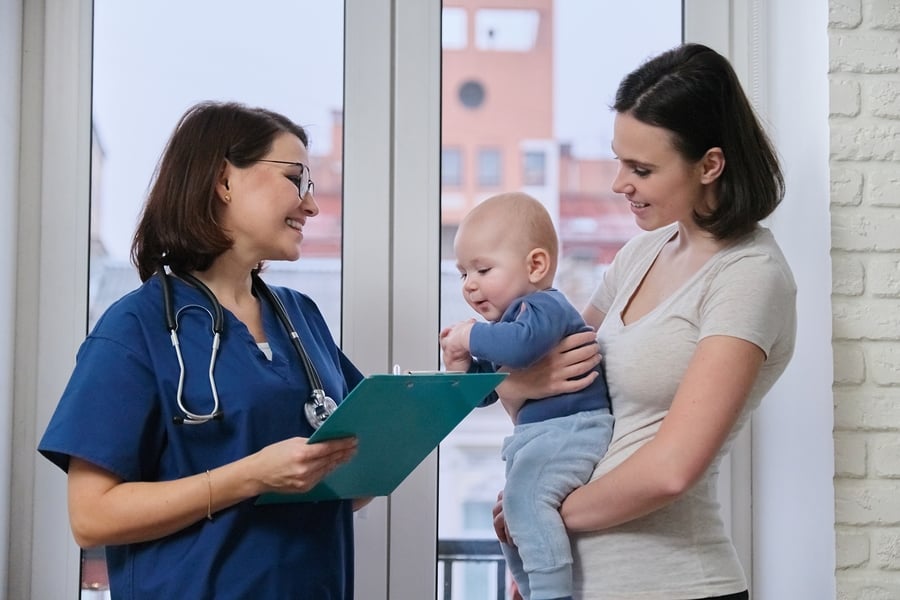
point(179, 225)
point(692, 91)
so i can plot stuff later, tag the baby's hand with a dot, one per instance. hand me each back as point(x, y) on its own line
point(455, 346)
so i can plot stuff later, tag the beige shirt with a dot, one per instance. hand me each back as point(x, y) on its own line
point(745, 290)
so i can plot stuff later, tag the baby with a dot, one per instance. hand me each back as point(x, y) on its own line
point(506, 251)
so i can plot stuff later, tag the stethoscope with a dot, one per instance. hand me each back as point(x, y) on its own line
point(319, 406)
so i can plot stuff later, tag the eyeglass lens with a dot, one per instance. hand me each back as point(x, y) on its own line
point(303, 182)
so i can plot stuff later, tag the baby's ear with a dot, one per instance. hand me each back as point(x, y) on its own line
point(538, 262)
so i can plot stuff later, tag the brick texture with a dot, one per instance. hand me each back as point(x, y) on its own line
point(864, 65)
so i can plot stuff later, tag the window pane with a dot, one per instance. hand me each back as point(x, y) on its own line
point(489, 167)
point(155, 58)
point(547, 74)
point(451, 167)
point(534, 166)
point(506, 29)
point(454, 34)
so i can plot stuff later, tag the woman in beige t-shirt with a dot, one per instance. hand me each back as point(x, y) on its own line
point(695, 321)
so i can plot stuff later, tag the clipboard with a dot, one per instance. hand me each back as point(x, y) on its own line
point(398, 420)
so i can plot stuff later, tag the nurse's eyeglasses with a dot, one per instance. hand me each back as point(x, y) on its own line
point(303, 182)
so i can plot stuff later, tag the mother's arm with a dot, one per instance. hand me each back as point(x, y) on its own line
point(709, 400)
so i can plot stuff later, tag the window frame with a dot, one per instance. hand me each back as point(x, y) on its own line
point(392, 100)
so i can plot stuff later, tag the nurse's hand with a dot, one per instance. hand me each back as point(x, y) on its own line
point(556, 373)
point(294, 466)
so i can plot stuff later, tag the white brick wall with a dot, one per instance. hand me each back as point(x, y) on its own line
point(864, 57)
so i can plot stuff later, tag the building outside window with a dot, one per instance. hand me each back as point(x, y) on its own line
point(490, 168)
point(451, 167)
point(534, 168)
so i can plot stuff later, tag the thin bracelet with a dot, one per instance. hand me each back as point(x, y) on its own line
point(209, 497)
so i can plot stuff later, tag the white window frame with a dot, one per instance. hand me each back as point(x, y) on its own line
point(390, 276)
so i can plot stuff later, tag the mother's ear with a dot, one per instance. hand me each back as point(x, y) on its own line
point(712, 164)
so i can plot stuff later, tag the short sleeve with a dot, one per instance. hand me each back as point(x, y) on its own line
point(752, 298)
point(108, 413)
point(603, 295)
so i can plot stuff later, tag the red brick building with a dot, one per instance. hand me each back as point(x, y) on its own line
point(497, 134)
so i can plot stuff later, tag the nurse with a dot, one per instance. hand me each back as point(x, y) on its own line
point(170, 496)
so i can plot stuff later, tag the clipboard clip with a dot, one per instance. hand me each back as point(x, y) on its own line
point(398, 371)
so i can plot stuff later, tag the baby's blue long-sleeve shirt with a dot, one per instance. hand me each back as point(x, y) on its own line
point(532, 326)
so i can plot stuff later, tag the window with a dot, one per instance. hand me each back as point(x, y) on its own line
point(367, 186)
point(471, 94)
point(490, 169)
point(534, 165)
point(511, 30)
point(477, 516)
point(137, 72)
point(542, 109)
point(451, 167)
point(454, 29)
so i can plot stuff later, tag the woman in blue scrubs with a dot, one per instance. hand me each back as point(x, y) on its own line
point(173, 501)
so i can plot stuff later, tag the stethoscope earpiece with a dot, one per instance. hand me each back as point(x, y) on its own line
point(316, 410)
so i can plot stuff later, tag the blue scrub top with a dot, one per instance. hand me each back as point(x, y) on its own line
point(117, 412)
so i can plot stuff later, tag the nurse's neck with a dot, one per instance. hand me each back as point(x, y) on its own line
point(230, 283)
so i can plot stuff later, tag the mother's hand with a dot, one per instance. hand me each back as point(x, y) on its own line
point(500, 522)
point(556, 373)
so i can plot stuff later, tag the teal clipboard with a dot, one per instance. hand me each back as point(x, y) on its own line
point(398, 420)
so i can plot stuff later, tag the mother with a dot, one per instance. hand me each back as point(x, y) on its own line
point(695, 319)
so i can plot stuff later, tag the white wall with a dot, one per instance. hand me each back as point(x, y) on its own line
point(10, 74)
point(792, 447)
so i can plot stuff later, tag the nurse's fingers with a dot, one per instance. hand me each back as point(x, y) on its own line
point(293, 465)
point(311, 472)
point(334, 453)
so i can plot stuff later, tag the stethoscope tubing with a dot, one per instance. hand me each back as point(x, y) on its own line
point(317, 409)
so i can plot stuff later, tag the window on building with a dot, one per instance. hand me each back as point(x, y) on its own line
point(534, 167)
point(454, 30)
point(471, 94)
point(510, 30)
point(451, 167)
point(490, 168)
point(477, 517)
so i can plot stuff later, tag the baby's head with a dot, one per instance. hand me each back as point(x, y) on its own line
point(506, 247)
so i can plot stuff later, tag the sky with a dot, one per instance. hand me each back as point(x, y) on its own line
point(155, 58)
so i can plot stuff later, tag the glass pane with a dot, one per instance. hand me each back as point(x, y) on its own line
point(525, 106)
point(155, 58)
point(490, 170)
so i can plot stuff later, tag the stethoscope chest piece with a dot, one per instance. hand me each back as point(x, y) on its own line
point(318, 408)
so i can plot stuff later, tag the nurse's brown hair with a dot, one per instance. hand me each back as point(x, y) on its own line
point(179, 225)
